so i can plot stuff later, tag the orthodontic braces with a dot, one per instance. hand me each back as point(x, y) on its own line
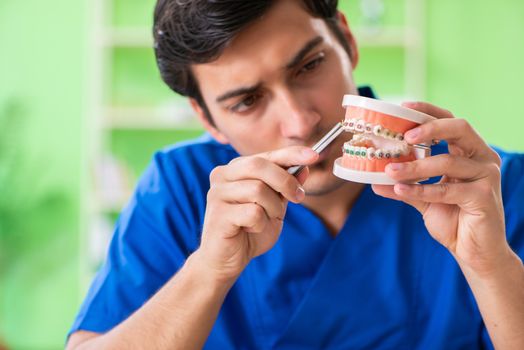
point(360, 125)
point(372, 153)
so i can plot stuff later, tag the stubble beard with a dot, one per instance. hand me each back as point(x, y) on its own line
point(322, 181)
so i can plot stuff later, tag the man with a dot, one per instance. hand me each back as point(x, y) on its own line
point(231, 260)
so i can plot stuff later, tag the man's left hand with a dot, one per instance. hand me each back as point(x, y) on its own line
point(464, 210)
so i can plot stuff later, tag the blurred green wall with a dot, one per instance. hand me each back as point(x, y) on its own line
point(475, 52)
point(474, 55)
point(473, 63)
point(42, 70)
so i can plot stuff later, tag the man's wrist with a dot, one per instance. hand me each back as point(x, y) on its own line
point(499, 296)
point(507, 263)
point(218, 280)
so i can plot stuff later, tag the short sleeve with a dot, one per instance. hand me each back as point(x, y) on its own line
point(153, 236)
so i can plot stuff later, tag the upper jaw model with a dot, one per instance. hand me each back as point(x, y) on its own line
point(378, 129)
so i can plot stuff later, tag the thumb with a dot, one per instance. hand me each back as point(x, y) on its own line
point(289, 156)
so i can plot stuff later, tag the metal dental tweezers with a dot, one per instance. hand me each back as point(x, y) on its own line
point(320, 145)
point(330, 137)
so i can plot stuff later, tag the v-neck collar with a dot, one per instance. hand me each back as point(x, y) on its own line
point(342, 258)
point(298, 262)
point(361, 203)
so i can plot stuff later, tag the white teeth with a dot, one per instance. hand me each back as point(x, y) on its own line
point(371, 153)
point(384, 133)
point(404, 150)
point(396, 153)
point(360, 125)
point(377, 130)
point(358, 137)
point(350, 125)
point(361, 135)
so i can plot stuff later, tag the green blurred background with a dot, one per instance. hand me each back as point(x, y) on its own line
point(82, 109)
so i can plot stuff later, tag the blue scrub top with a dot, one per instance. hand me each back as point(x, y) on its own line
point(382, 283)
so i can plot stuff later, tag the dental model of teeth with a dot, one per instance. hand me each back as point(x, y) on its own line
point(359, 125)
point(378, 131)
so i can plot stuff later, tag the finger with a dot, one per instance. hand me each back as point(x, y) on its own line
point(303, 175)
point(257, 168)
point(444, 192)
point(457, 132)
point(248, 216)
point(289, 156)
point(428, 108)
point(252, 191)
point(387, 191)
point(441, 165)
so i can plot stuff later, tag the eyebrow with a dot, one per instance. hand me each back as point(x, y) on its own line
point(310, 45)
point(239, 92)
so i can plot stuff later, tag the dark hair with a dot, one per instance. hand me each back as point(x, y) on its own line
point(197, 31)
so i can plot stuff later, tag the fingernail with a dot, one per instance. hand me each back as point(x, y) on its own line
point(301, 194)
point(396, 166)
point(413, 133)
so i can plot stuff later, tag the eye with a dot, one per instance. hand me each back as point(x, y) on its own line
point(312, 65)
point(246, 104)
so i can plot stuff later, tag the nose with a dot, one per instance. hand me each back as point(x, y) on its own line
point(298, 119)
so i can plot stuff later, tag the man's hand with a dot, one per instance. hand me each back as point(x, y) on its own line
point(464, 211)
point(245, 208)
point(246, 205)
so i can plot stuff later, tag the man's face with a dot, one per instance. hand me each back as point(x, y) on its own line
point(280, 83)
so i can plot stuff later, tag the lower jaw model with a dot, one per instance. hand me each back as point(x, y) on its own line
point(378, 131)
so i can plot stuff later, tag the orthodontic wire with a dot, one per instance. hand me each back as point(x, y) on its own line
point(331, 136)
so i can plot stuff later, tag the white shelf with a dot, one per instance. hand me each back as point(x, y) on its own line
point(150, 118)
point(383, 37)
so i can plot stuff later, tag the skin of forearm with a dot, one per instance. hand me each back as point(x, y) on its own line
point(500, 298)
point(178, 316)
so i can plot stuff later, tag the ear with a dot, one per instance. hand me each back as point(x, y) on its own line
point(201, 115)
point(343, 23)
